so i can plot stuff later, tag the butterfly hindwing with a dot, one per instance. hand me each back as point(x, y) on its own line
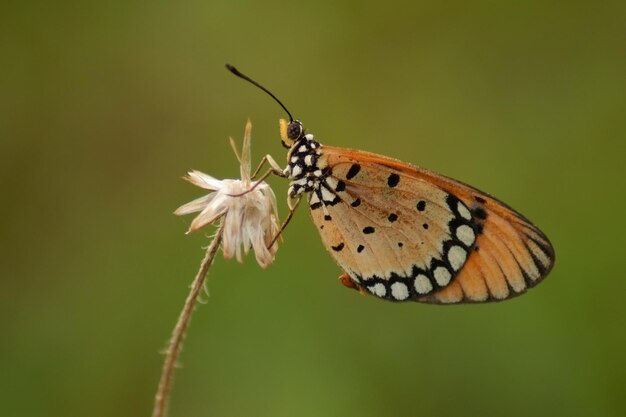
point(404, 233)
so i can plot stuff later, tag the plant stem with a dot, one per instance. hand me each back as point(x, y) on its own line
point(178, 334)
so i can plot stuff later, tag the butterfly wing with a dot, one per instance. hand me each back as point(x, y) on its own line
point(404, 233)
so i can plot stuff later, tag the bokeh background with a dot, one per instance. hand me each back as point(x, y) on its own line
point(105, 105)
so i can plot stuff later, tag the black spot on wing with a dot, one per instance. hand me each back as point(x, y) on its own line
point(338, 248)
point(356, 203)
point(393, 180)
point(354, 169)
point(479, 212)
point(360, 248)
point(392, 217)
point(368, 230)
point(421, 205)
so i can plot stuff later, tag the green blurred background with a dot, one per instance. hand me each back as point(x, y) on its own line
point(105, 105)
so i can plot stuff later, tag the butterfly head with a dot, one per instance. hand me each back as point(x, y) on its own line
point(290, 132)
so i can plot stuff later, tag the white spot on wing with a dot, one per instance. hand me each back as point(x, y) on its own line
point(308, 160)
point(399, 291)
point(422, 284)
point(327, 195)
point(302, 148)
point(465, 234)
point(332, 183)
point(378, 290)
point(314, 199)
point(456, 257)
point(442, 276)
point(463, 211)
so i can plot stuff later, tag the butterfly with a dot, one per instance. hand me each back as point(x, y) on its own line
point(403, 233)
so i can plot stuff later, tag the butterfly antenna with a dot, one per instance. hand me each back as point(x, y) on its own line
point(250, 80)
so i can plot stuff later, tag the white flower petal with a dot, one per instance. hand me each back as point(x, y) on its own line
point(203, 180)
point(205, 218)
point(194, 206)
point(244, 168)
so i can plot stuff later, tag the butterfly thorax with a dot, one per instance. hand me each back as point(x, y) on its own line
point(303, 170)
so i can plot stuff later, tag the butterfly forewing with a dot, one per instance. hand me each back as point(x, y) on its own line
point(404, 233)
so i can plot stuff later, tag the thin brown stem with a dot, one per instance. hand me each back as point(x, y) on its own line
point(178, 334)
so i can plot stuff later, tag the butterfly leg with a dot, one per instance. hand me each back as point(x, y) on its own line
point(347, 282)
point(266, 159)
point(292, 210)
point(275, 169)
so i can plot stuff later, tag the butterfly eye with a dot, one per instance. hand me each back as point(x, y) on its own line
point(295, 130)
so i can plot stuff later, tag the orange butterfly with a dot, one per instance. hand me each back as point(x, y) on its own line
point(403, 233)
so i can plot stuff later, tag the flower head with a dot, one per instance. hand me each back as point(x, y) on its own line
point(247, 209)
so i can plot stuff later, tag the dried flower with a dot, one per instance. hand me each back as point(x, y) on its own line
point(250, 220)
